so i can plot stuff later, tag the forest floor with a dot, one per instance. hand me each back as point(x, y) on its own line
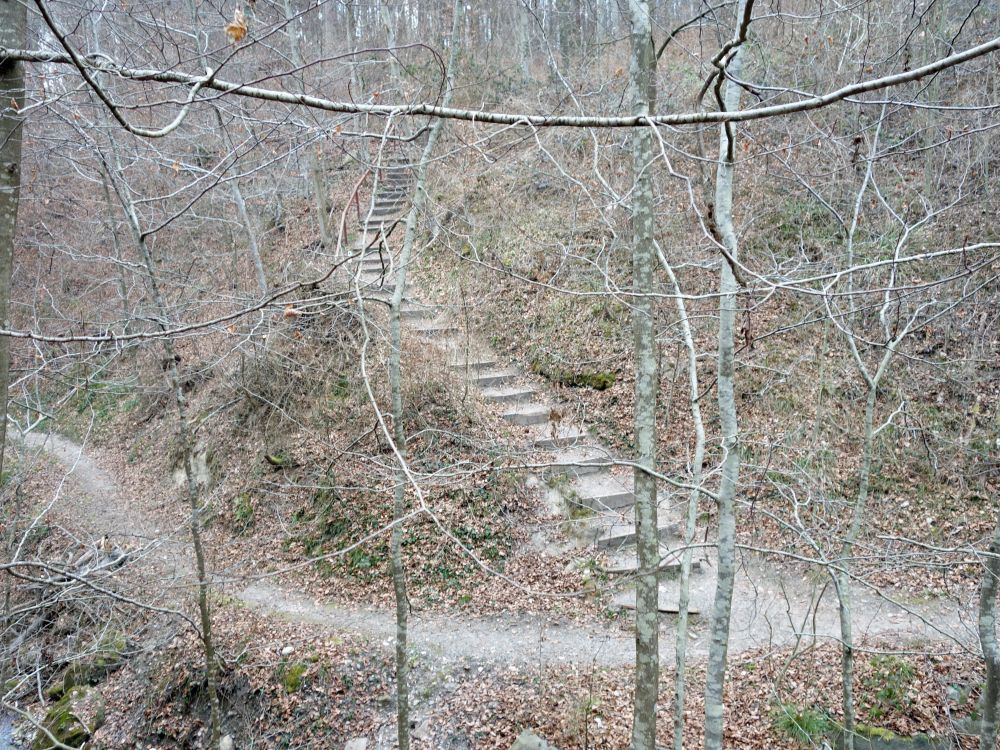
point(773, 603)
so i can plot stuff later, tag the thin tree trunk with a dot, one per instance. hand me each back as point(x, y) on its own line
point(395, 385)
point(116, 247)
point(715, 677)
point(390, 42)
point(841, 577)
point(647, 647)
point(684, 596)
point(312, 163)
point(241, 208)
point(13, 33)
point(988, 641)
point(187, 455)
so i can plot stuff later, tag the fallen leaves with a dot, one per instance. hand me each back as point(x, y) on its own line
point(237, 29)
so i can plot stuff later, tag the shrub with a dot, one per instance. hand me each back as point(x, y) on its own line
point(803, 725)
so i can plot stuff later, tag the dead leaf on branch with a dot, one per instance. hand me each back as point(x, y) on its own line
point(238, 29)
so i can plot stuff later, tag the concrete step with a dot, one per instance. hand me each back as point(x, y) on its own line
point(491, 378)
point(386, 217)
point(387, 208)
point(433, 330)
point(511, 395)
point(528, 414)
point(371, 274)
point(477, 365)
point(621, 533)
point(667, 602)
point(384, 204)
point(417, 312)
point(380, 223)
point(670, 567)
point(545, 438)
point(599, 492)
point(394, 198)
point(578, 461)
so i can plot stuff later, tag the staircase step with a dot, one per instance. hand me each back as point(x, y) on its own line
point(474, 365)
point(432, 330)
point(528, 414)
point(666, 604)
point(629, 569)
point(387, 200)
point(601, 491)
point(491, 378)
point(578, 461)
point(376, 223)
point(385, 212)
point(545, 439)
point(417, 312)
point(621, 534)
point(511, 395)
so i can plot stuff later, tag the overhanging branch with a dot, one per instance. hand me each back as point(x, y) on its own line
point(511, 118)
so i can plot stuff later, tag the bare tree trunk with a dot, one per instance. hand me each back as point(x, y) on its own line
point(241, 208)
point(684, 596)
point(312, 163)
point(395, 385)
point(13, 32)
point(390, 42)
point(116, 247)
point(252, 246)
point(842, 578)
point(988, 641)
point(522, 25)
point(187, 456)
point(647, 647)
point(715, 677)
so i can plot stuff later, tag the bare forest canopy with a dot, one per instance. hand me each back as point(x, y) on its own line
point(345, 346)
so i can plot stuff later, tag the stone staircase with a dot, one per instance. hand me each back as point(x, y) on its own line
point(598, 497)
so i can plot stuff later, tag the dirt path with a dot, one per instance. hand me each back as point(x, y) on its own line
point(102, 506)
point(771, 607)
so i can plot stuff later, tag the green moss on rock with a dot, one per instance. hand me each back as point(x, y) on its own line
point(598, 381)
point(92, 670)
point(72, 720)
